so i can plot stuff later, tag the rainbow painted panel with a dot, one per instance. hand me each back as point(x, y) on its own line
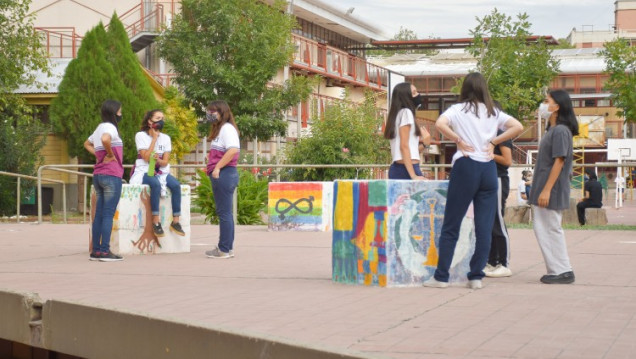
point(300, 206)
point(386, 233)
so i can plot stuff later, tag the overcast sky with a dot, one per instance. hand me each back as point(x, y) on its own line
point(454, 18)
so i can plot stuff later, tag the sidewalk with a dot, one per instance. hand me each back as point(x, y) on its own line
point(279, 285)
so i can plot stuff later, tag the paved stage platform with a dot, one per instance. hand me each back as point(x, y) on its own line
point(279, 287)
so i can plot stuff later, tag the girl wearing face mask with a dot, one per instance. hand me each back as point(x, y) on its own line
point(221, 168)
point(108, 149)
point(151, 141)
point(403, 133)
point(550, 193)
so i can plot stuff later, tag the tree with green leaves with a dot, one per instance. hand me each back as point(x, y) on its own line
point(348, 134)
point(105, 68)
point(517, 71)
point(231, 50)
point(22, 54)
point(181, 123)
point(620, 60)
point(138, 97)
point(89, 80)
point(22, 135)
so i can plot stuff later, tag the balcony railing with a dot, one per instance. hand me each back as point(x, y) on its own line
point(336, 64)
point(164, 79)
point(60, 42)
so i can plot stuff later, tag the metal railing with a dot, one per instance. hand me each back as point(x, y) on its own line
point(425, 167)
point(19, 200)
point(334, 63)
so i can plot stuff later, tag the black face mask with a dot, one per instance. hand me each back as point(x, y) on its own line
point(417, 100)
point(118, 118)
point(212, 117)
point(158, 125)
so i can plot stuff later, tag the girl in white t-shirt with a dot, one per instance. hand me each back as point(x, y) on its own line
point(403, 133)
point(221, 168)
point(148, 141)
point(472, 124)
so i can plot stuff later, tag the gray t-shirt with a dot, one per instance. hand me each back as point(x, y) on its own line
point(557, 142)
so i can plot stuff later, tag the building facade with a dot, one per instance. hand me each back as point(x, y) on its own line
point(328, 44)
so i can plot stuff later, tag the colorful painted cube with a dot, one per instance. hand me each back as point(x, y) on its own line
point(300, 206)
point(132, 233)
point(386, 233)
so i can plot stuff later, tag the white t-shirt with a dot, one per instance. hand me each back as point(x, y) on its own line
point(521, 188)
point(143, 141)
point(227, 138)
point(404, 117)
point(476, 131)
point(113, 168)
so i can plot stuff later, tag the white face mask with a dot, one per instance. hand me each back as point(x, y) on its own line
point(544, 112)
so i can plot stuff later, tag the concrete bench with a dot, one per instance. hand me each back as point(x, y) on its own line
point(595, 216)
point(517, 214)
point(386, 233)
point(132, 233)
point(300, 206)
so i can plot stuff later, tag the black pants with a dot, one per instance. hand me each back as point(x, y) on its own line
point(580, 209)
point(500, 245)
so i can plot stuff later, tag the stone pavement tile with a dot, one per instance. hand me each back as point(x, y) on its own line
point(280, 285)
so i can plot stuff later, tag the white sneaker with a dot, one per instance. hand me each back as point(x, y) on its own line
point(499, 272)
point(488, 268)
point(434, 283)
point(474, 284)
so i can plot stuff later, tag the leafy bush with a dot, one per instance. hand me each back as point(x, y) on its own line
point(251, 198)
point(348, 134)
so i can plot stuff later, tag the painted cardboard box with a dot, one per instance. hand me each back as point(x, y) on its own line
point(386, 233)
point(132, 233)
point(300, 206)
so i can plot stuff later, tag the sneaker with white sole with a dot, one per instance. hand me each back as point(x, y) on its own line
point(217, 253)
point(231, 253)
point(434, 283)
point(474, 284)
point(110, 257)
point(489, 268)
point(500, 271)
point(95, 256)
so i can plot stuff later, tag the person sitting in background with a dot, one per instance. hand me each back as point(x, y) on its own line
point(593, 196)
point(522, 198)
point(528, 182)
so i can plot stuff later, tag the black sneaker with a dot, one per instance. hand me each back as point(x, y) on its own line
point(563, 278)
point(176, 228)
point(156, 228)
point(110, 257)
point(95, 256)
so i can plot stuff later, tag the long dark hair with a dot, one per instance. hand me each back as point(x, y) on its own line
point(402, 97)
point(475, 91)
point(148, 116)
point(109, 111)
point(225, 116)
point(565, 113)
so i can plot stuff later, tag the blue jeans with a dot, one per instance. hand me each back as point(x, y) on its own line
point(470, 181)
point(398, 171)
point(108, 192)
point(223, 189)
point(155, 193)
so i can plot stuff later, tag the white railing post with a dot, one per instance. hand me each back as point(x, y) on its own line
point(18, 202)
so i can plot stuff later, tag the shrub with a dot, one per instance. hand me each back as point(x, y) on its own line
point(251, 198)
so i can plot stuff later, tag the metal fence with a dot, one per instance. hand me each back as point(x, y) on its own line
point(381, 172)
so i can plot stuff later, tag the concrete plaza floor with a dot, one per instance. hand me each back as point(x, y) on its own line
point(279, 285)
